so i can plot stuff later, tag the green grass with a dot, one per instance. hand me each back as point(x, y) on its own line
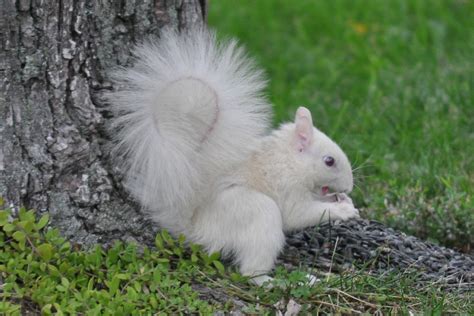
point(40, 272)
point(391, 81)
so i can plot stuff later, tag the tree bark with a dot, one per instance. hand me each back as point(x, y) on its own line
point(54, 59)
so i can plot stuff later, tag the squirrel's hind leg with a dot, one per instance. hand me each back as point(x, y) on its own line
point(244, 223)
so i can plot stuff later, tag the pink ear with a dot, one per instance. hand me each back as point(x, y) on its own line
point(304, 128)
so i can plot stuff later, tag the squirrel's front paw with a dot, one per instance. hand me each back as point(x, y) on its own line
point(346, 210)
point(344, 198)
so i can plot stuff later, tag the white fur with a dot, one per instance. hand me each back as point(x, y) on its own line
point(189, 127)
point(167, 108)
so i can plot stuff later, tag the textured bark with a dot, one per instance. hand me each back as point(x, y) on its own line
point(54, 59)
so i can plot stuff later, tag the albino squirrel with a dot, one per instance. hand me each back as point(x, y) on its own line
point(191, 128)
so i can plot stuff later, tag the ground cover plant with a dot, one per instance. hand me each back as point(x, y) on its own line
point(40, 272)
point(389, 80)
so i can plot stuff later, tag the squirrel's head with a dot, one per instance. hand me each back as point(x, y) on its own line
point(323, 165)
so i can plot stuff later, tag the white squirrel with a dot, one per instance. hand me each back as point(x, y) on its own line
point(191, 129)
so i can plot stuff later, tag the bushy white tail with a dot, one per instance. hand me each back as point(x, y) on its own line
point(187, 111)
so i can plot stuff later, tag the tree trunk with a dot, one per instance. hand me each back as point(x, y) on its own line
point(54, 59)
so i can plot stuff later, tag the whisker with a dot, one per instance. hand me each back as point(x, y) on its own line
point(361, 167)
point(358, 187)
point(364, 164)
point(363, 176)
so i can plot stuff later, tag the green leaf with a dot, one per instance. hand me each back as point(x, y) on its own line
point(169, 241)
point(122, 276)
point(219, 266)
point(19, 236)
point(4, 217)
point(53, 270)
point(137, 286)
point(43, 221)
point(45, 251)
point(214, 256)
point(159, 242)
point(7, 308)
point(153, 302)
point(178, 252)
point(90, 284)
point(65, 282)
point(58, 309)
point(131, 293)
point(25, 215)
point(22, 245)
point(66, 246)
point(181, 239)
point(8, 227)
point(46, 310)
point(195, 248)
point(113, 285)
point(236, 277)
point(168, 252)
point(27, 225)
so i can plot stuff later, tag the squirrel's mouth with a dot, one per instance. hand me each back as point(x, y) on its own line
point(326, 190)
point(328, 193)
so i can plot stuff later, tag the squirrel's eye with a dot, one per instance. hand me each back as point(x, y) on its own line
point(329, 161)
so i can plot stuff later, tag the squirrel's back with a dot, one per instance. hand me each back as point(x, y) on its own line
point(189, 110)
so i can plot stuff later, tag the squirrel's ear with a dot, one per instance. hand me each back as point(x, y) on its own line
point(304, 128)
